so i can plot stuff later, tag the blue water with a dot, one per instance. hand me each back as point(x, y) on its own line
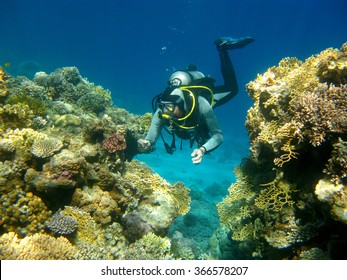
point(131, 47)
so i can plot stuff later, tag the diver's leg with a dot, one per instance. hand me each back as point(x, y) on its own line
point(230, 87)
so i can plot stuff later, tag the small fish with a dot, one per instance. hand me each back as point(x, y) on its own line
point(7, 64)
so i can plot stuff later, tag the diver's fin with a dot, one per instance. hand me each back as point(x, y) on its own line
point(228, 43)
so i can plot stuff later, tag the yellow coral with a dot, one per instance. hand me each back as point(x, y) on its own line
point(149, 247)
point(88, 232)
point(243, 232)
point(141, 177)
point(96, 201)
point(284, 103)
point(16, 115)
point(36, 247)
point(181, 198)
point(23, 212)
point(275, 196)
point(234, 209)
point(3, 86)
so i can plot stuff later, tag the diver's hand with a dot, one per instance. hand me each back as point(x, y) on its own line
point(197, 155)
point(144, 146)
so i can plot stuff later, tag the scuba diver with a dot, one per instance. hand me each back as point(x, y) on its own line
point(185, 108)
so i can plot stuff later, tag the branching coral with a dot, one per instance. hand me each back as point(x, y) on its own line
point(320, 113)
point(16, 116)
point(234, 209)
point(275, 196)
point(3, 86)
point(61, 224)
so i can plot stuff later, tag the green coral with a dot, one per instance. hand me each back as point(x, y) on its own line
point(93, 102)
point(68, 120)
point(36, 105)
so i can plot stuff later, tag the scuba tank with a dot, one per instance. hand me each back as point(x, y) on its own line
point(185, 78)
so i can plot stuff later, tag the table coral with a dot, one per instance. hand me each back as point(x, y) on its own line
point(44, 148)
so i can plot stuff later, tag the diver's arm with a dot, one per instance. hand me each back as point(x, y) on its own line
point(208, 116)
point(147, 145)
point(155, 128)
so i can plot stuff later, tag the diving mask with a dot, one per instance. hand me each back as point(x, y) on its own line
point(166, 107)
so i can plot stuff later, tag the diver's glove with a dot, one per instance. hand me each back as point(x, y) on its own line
point(144, 146)
point(197, 155)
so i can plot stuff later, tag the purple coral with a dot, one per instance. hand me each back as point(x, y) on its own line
point(135, 226)
point(115, 142)
point(61, 224)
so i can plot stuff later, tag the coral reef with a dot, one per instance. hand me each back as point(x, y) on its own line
point(289, 200)
point(64, 146)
